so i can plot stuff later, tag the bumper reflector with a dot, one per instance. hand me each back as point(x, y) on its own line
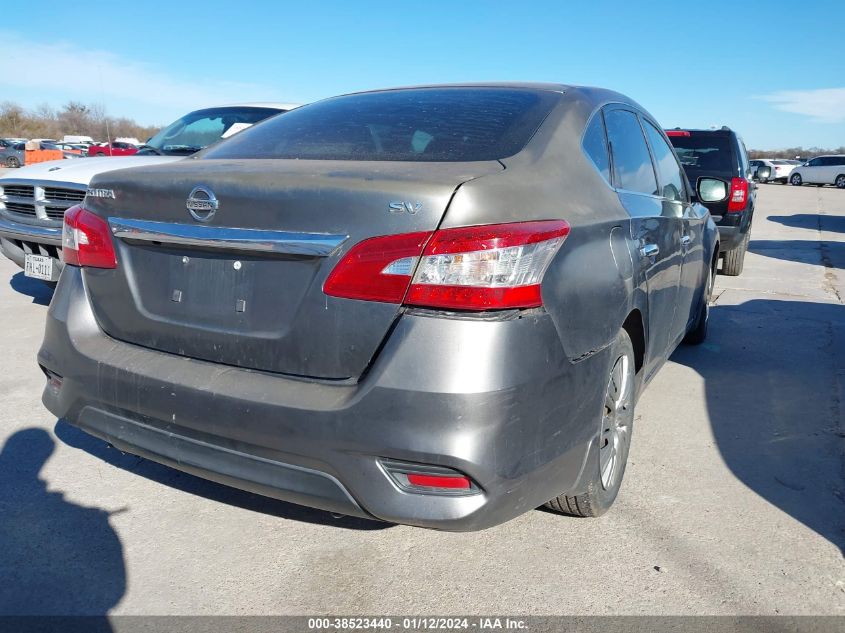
point(438, 481)
point(429, 479)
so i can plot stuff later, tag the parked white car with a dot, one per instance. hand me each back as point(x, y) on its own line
point(822, 170)
point(33, 199)
point(781, 168)
point(762, 175)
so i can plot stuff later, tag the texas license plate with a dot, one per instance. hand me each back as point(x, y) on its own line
point(38, 266)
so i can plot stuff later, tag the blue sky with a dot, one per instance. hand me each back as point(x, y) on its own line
point(776, 76)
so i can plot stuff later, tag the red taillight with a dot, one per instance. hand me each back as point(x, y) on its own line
point(438, 481)
point(677, 133)
point(86, 240)
point(377, 269)
point(739, 195)
point(490, 267)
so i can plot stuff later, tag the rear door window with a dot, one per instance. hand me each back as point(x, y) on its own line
point(668, 170)
point(426, 124)
point(595, 145)
point(632, 166)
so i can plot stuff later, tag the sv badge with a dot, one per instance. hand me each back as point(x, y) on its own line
point(405, 207)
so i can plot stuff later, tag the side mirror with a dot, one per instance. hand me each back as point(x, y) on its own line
point(711, 189)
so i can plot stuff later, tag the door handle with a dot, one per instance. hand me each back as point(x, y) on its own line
point(649, 250)
point(685, 240)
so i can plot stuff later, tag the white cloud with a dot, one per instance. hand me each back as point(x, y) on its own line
point(90, 75)
point(825, 105)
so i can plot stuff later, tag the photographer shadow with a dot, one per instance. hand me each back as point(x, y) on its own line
point(57, 558)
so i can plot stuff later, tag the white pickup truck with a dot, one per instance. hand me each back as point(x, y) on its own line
point(33, 199)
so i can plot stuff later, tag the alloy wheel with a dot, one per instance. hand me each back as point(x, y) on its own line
point(616, 420)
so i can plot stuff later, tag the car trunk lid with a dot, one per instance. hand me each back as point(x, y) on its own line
point(244, 287)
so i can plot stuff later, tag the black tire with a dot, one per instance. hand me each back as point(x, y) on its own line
point(698, 332)
point(839, 181)
point(616, 423)
point(796, 180)
point(13, 162)
point(733, 261)
point(100, 154)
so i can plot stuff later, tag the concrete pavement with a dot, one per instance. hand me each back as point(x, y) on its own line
point(733, 502)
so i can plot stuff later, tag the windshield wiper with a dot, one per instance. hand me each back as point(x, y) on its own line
point(149, 148)
point(182, 149)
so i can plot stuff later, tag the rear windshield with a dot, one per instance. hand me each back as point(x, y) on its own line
point(428, 124)
point(706, 152)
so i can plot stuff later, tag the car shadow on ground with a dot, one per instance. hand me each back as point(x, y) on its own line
point(827, 254)
point(813, 221)
point(76, 438)
point(775, 391)
point(57, 558)
point(40, 292)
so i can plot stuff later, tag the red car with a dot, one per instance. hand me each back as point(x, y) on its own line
point(113, 149)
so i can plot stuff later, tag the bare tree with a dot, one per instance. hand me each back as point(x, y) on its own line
point(72, 118)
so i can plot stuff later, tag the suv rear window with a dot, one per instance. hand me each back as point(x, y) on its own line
point(427, 124)
point(705, 152)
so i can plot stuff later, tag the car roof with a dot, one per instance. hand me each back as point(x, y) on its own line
point(257, 104)
point(553, 87)
point(595, 97)
point(722, 130)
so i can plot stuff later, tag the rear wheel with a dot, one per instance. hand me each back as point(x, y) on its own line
point(840, 181)
point(733, 261)
point(795, 179)
point(614, 438)
point(13, 162)
point(100, 154)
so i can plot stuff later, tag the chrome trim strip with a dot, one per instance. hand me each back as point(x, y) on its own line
point(227, 238)
point(30, 232)
point(40, 182)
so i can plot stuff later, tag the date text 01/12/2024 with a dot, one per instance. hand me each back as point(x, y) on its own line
point(418, 623)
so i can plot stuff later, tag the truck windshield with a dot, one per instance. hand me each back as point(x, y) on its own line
point(199, 129)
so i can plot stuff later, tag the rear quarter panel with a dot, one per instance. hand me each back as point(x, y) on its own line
point(591, 286)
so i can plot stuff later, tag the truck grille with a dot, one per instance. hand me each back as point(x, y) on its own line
point(55, 213)
point(24, 209)
point(45, 203)
point(67, 195)
point(20, 191)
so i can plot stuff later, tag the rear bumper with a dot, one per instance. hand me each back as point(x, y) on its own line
point(732, 230)
point(729, 238)
point(496, 400)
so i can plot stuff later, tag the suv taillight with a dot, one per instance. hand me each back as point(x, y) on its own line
point(739, 195)
point(86, 240)
point(490, 267)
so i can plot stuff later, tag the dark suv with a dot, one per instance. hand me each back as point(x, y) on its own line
point(721, 154)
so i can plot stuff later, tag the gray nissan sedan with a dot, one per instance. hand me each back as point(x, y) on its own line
point(434, 305)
